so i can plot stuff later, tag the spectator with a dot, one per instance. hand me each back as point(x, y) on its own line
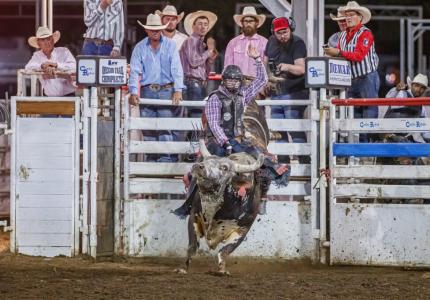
point(417, 87)
point(236, 52)
point(57, 63)
point(286, 54)
point(105, 22)
point(196, 57)
point(157, 61)
point(357, 45)
point(169, 16)
point(333, 40)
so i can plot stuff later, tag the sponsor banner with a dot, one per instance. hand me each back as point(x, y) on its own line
point(339, 72)
point(112, 71)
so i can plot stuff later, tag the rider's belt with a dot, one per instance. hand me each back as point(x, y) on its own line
point(158, 87)
point(100, 42)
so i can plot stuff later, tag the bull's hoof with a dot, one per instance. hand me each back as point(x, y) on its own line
point(220, 273)
point(180, 271)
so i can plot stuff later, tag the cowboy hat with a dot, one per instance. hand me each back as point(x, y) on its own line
point(249, 11)
point(420, 79)
point(43, 32)
point(190, 18)
point(363, 11)
point(170, 10)
point(153, 22)
point(340, 14)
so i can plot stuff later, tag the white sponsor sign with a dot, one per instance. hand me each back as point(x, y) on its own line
point(316, 72)
point(339, 72)
point(112, 71)
point(86, 71)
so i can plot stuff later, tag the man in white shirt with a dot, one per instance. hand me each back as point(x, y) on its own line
point(56, 63)
point(170, 16)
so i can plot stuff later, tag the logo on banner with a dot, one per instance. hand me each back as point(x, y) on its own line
point(112, 71)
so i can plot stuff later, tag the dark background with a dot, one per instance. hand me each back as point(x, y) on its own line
point(17, 23)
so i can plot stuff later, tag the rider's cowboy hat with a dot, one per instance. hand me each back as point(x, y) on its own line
point(153, 22)
point(170, 10)
point(363, 11)
point(249, 11)
point(42, 33)
point(420, 79)
point(190, 18)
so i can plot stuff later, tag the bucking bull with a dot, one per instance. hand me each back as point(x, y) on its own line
point(229, 190)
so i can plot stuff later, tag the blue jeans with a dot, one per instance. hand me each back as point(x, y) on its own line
point(90, 48)
point(149, 111)
point(291, 112)
point(365, 87)
point(195, 91)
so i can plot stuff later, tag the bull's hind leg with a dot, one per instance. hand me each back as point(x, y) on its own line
point(231, 243)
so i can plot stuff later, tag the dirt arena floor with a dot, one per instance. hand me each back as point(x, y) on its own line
point(23, 277)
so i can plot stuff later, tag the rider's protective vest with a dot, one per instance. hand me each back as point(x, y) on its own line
point(231, 114)
point(404, 111)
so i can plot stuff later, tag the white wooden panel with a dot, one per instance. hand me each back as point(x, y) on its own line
point(154, 169)
point(176, 186)
point(289, 125)
point(41, 227)
point(46, 130)
point(385, 171)
point(285, 231)
point(44, 214)
point(63, 201)
point(49, 187)
point(381, 191)
point(45, 175)
point(380, 234)
point(383, 125)
point(186, 147)
point(46, 151)
point(195, 123)
point(46, 251)
point(45, 239)
point(52, 163)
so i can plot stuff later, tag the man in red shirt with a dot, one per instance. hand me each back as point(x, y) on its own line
point(357, 45)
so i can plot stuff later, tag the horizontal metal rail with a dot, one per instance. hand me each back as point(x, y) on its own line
point(382, 101)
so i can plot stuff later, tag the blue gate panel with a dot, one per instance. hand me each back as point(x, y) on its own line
point(381, 150)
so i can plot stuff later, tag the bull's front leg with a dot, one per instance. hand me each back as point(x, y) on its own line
point(194, 234)
point(231, 243)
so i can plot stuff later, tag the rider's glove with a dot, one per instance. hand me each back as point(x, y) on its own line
point(228, 148)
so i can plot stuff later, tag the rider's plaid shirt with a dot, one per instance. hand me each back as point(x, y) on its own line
point(213, 106)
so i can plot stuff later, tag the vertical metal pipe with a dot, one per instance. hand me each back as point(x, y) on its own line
point(76, 159)
point(44, 13)
point(321, 27)
point(402, 49)
point(117, 173)
point(85, 173)
point(314, 175)
point(50, 14)
point(93, 172)
point(411, 47)
point(12, 243)
point(323, 179)
point(37, 15)
point(310, 22)
point(127, 232)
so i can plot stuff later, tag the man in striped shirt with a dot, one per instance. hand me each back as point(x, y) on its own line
point(357, 45)
point(105, 22)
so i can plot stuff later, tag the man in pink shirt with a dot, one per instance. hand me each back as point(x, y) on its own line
point(56, 63)
point(236, 52)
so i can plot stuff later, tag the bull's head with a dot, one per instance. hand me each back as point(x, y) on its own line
point(213, 175)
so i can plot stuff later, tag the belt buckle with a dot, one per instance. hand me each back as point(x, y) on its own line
point(155, 87)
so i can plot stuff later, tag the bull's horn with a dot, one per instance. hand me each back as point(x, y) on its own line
point(203, 150)
point(240, 168)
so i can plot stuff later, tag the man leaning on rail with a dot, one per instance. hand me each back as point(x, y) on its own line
point(156, 60)
point(56, 63)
